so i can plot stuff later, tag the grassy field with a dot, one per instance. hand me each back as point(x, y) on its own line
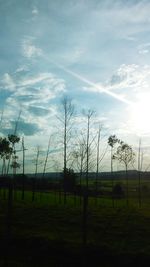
point(48, 233)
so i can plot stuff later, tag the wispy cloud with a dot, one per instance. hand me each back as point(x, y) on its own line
point(42, 85)
point(7, 83)
point(32, 94)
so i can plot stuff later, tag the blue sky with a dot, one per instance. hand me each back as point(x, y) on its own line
point(97, 52)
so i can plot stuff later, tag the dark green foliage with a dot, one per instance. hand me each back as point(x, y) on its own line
point(15, 165)
point(5, 149)
point(112, 140)
point(13, 138)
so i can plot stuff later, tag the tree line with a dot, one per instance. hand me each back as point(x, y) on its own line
point(82, 150)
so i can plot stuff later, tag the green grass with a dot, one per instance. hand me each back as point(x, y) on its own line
point(48, 227)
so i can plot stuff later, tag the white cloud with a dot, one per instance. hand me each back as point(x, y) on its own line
point(29, 50)
point(35, 11)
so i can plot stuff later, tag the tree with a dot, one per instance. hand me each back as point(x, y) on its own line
point(112, 140)
point(79, 155)
point(5, 152)
point(35, 174)
point(125, 155)
point(46, 158)
point(67, 113)
point(88, 115)
point(23, 168)
point(13, 139)
point(99, 157)
point(140, 162)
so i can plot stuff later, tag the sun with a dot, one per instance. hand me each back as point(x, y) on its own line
point(140, 114)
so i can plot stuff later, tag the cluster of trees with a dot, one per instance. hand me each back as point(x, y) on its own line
point(77, 155)
point(8, 153)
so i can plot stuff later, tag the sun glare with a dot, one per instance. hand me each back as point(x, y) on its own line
point(140, 115)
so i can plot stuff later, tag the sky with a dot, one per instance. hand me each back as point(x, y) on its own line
point(95, 52)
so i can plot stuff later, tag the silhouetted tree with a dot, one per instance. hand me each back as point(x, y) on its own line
point(67, 113)
point(112, 140)
point(140, 161)
point(99, 157)
point(79, 156)
point(23, 168)
point(88, 115)
point(13, 139)
point(36, 171)
point(5, 152)
point(125, 155)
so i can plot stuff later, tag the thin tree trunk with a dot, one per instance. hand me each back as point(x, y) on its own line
point(44, 169)
point(65, 155)
point(23, 170)
point(35, 176)
point(127, 188)
point(139, 172)
point(87, 154)
point(112, 178)
point(97, 165)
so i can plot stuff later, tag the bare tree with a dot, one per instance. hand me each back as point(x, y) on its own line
point(140, 161)
point(37, 161)
point(23, 167)
point(88, 115)
point(99, 157)
point(47, 155)
point(79, 155)
point(35, 174)
point(79, 159)
point(66, 119)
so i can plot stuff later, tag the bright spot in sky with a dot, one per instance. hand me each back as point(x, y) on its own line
point(140, 114)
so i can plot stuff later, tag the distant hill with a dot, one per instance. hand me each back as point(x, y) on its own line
point(101, 175)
